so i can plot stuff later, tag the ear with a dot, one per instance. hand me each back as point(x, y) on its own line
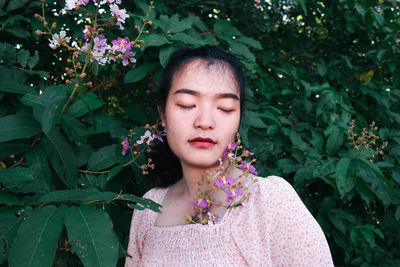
point(162, 115)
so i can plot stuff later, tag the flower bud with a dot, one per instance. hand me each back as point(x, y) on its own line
point(68, 81)
point(38, 32)
point(137, 45)
point(150, 22)
point(45, 23)
point(69, 60)
point(83, 75)
point(146, 32)
point(136, 27)
point(90, 84)
point(53, 26)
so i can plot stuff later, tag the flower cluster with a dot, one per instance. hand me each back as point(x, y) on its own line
point(235, 189)
point(150, 138)
point(366, 141)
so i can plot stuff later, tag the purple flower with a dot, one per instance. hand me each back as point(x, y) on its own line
point(128, 56)
point(219, 183)
point(231, 146)
point(121, 45)
point(100, 43)
point(230, 196)
point(125, 146)
point(193, 202)
point(159, 135)
point(239, 191)
point(119, 14)
point(248, 166)
point(230, 180)
point(203, 204)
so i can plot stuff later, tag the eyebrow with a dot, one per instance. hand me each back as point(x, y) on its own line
point(195, 93)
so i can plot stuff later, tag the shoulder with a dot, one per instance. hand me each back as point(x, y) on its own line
point(156, 194)
point(273, 186)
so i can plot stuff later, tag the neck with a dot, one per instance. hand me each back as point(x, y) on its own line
point(192, 176)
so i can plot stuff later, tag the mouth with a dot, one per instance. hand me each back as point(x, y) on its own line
point(201, 142)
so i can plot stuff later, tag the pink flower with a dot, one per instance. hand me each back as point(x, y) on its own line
point(72, 4)
point(203, 204)
point(119, 14)
point(121, 45)
point(100, 43)
point(125, 145)
point(230, 148)
point(248, 166)
point(128, 56)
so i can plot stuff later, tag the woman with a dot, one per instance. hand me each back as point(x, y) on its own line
point(202, 96)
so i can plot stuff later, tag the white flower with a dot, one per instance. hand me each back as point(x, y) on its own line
point(120, 14)
point(72, 4)
point(146, 138)
point(58, 39)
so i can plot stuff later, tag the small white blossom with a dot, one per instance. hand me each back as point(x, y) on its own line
point(58, 39)
point(146, 138)
point(120, 14)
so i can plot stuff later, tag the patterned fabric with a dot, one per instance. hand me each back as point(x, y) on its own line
point(273, 228)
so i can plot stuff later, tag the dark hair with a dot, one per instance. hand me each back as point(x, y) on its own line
point(168, 168)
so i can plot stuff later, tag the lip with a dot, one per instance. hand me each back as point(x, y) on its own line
point(200, 142)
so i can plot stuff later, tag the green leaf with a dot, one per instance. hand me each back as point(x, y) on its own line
point(13, 147)
point(84, 104)
point(74, 129)
point(138, 73)
point(345, 181)
point(223, 27)
point(164, 54)
point(62, 157)
point(103, 158)
point(114, 171)
point(9, 199)
point(73, 195)
point(33, 61)
point(154, 39)
point(360, 9)
point(242, 50)
point(16, 88)
point(17, 174)
point(22, 57)
point(37, 237)
point(334, 141)
point(91, 234)
point(17, 126)
point(8, 54)
point(9, 224)
point(249, 41)
point(53, 98)
point(95, 67)
point(253, 120)
point(16, 4)
point(376, 181)
point(37, 160)
point(173, 25)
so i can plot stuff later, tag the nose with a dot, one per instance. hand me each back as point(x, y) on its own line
point(204, 119)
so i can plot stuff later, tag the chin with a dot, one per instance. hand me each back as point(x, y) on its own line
point(203, 164)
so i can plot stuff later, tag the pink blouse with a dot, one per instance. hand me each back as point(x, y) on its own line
point(273, 228)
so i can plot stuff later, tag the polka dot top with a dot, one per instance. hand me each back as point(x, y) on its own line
point(273, 228)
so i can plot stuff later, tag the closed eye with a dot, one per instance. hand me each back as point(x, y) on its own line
point(186, 107)
point(226, 110)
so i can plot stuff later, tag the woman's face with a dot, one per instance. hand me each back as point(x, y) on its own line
point(202, 113)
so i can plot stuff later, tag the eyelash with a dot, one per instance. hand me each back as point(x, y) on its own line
point(190, 107)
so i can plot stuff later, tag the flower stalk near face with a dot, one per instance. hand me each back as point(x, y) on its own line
point(219, 180)
point(366, 142)
point(95, 46)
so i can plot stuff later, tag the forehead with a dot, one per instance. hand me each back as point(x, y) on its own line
point(205, 77)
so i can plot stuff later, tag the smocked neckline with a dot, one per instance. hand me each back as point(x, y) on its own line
point(160, 200)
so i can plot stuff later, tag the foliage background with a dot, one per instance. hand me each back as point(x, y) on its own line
point(312, 66)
